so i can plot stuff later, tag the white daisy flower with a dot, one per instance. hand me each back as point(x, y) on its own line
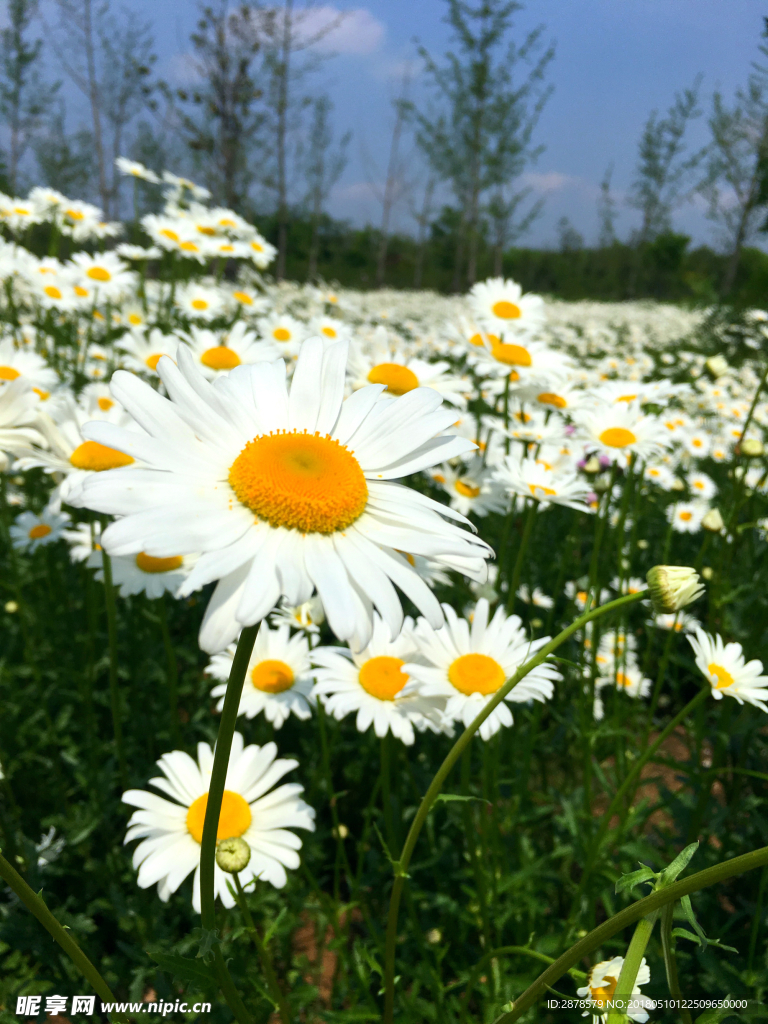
point(143, 574)
point(723, 665)
point(199, 302)
point(135, 169)
point(260, 250)
point(601, 987)
point(619, 431)
point(471, 489)
point(23, 363)
point(284, 491)
point(468, 664)
point(30, 532)
point(216, 355)
point(536, 597)
point(701, 485)
point(628, 678)
point(659, 474)
point(529, 478)
point(308, 616)
point(18, 419)
point(142, 352)
point(285, 331)
point(330, 328)
point(103, 273)
point(278, 680)
point(401, 373)
point(374, 684)
point(83, 540)
point(172, 830)
point(686, 516)
point(680, 621)
point(499, 304)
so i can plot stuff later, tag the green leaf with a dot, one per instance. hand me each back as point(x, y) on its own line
point(715, 1014)
point(643, 874)
point(274, 926)
point(683, 933)
point(680, 863)
point(208, 939)
point(183, 967)
point(449, 798)
point(690, 917)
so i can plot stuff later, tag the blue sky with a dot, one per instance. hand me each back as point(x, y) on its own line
point(616, 60)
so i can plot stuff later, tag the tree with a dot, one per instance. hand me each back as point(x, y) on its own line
point(665, 174)
point(65, 161)
point(736, 179)
point(569, 239)
point(606, 211)
point(479, 140)
point(24, 97)
point(109, 61)
point(323, 168)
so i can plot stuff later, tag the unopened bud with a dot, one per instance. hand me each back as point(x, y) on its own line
point(11, 607)
point(707, 572)
point(677, 484)
point(752, 447)
point(232, 855)
point(713, 521)
point(717, 365)
point(434, 935)
point(672, 587)
point(341, 833)
point(592, 465)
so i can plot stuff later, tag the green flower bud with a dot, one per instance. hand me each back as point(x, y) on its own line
point(232, 855)
point(672, 587)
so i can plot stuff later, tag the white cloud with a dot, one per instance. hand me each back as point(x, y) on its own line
point(353, 32)
point(550, 181)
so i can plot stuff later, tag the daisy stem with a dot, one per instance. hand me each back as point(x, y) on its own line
point(629, 915)
point(264, 956)
point(630, 968)
point(60, 934)
point(530, 519)
point(173, 672)
point(670, 962)
point(627, 788)
point(213, 810)
point(386, 790)
point(341, 853)
point(401, 866)
point(114, 692)
point(671, 633)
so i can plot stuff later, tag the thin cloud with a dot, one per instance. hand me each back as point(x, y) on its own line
point(358, 32)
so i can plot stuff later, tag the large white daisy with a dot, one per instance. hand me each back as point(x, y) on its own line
point(284, 491)
point(468, 662)
point(143, 574)
point(278, 680)
point(728, 674)
point(172, 830)
point(499, 304)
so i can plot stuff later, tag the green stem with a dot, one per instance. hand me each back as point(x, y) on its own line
point(493, 954)
point(670, 962)
point(59, 933)
point(114, 692)
point(341, 852)
point(173, 672)
point(629, 969)
point(659, 681)
point(386, 790)
point(401, 866)
point(598, 936)
point(213, 810)
point(530, 519)
point(266, 960)
point(624, 788)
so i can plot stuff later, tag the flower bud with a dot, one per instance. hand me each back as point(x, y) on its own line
point(752, 447)
point(341, 833)
point(11, 607)
point(672, 587)
point(713, 521)
point(707, 572)
point(717, 365)
point(232, 855)
point(592, 465)
point(434, 936)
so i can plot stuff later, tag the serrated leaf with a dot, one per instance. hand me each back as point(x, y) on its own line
point(680, 863)
point(183, 967)
point(634, 878)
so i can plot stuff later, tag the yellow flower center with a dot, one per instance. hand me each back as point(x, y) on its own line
point(685, 516)
point(74, 214)
point(617, 437)
point(300, 481)
point(153, 360)
point(281, 334)
point(21, 210)
point(550, 398)
point(220, 358)
point(52, 291)
point(547, 491)
point(512, 355)
point(243, 297)
point(382, 678)
point(134, 319)
point(227, 222)
point(44, 395)
point(506, 310)
point(148, 563)
point(97, 457)
point(626, 398)
point(329, 332)
point(199, 304)
point(467, 490)
point(81, 293)
point(272, 676)
point(398, 379)
point(206, 231)
point(167, 233)
point(476, 340)
point(257, 247)
point(105, 404)
point(581, 596)
point(234, 818)
point(476, 673)
point(98, 274)
point(622, 679)
point(603, 994)
point(8, 373)
point(724, 678)
point(189, 247)
point(41, 530)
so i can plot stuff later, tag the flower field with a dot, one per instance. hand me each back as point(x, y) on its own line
point(369, 656)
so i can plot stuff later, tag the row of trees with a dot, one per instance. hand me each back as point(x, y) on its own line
point(253, 126)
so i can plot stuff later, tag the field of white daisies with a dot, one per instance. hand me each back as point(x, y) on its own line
point(371, 656)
